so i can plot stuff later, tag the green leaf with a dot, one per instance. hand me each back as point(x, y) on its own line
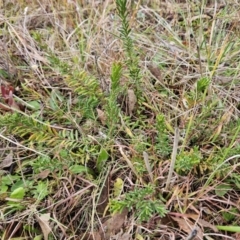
point(35, 105)
point(222, 189)
point(20, 183)
point(230, 214)
point(229, 228)
point(202, 84)
point(3, 189)
point(54, 99)
point(18, 193)
point(118, 187)
point(8, 179)
point(53, 104)
point(41, 190)
point(17, 185)
point(102, 158)
point(76, 169)
point(64, 153)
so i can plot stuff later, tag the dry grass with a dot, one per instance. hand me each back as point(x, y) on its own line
point(55, 141)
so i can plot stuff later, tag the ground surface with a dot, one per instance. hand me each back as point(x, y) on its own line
point(119, 121)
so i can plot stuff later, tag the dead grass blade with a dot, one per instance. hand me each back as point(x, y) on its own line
point(173, 159)
point(43, 221)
